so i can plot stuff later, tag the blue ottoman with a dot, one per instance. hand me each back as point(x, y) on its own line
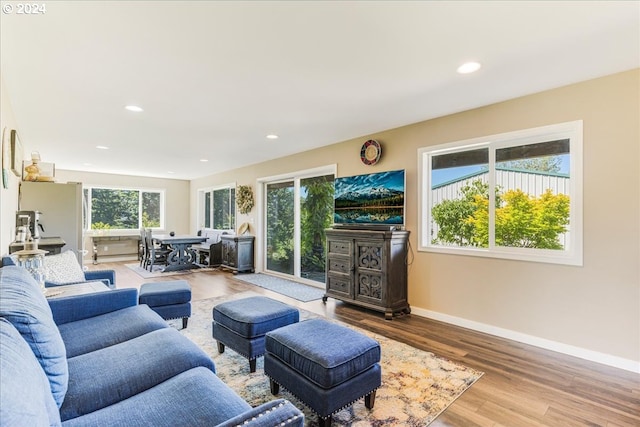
point(171, 299)
point(242, 324)
point(325, 365)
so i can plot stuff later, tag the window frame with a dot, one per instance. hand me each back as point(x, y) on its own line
point(140, 190)
point(202, 205)
point(573, 255)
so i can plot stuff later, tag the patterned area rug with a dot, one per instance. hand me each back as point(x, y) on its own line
point(416, 385)
point(156, 271)
point(299, 291)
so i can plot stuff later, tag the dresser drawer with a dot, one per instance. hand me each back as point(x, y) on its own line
point(339, 265)
point(340, 286)
point(342, 247)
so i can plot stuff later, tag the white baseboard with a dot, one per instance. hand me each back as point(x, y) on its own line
point(582, 353)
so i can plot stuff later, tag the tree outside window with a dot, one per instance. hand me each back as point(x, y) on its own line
point(219, 208)
point(123, 209)
point(535, 211)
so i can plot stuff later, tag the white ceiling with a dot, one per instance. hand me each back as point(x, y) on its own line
point(214, 78)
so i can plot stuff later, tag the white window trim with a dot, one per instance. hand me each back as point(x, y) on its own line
point(125, 231)
point(571, 256)
point(200, 209)
point(261, 256)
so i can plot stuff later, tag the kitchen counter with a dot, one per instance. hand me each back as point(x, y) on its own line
point(52, 244)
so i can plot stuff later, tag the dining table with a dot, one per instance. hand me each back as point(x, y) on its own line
point(182, 255)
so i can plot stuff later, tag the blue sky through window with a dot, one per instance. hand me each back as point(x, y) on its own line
point(440, 176)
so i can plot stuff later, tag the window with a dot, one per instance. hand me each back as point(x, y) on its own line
point(535, 179)
point(218, 208)
point(297, 208)
point(123, 208)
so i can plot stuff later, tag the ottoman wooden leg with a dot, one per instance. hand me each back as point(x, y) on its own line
point(274, 386)
point(185, 320)
point(370, 400)
point(324, 422)
point(252, 365)
point(220, 347)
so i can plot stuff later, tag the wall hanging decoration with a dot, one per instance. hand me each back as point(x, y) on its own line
point(16, 153)
point(36, 170)
point(6, 158)
point(244, 228)
point(370, 152)
point(244, 198)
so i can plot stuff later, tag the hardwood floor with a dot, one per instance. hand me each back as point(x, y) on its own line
point(522, 385)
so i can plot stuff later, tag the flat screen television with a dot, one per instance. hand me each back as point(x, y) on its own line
point(374, 199)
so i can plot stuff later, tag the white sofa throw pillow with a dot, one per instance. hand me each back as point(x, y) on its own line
point(63, 268)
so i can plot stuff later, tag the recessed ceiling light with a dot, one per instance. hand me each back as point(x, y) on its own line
point(171, 172)
point(134, 108)
point(204, 160)
point(469, 67)
point(102, 147)
point(272, 136)
point(87, 164)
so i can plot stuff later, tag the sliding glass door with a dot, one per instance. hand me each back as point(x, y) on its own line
point(316, 215)
point(297, 212)
point(280, 227)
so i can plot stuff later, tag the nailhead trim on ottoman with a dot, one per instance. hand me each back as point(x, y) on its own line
point(170, 299)
point(242, 324)
point(326, 365)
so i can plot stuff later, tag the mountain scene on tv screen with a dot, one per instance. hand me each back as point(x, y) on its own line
point(370, 199)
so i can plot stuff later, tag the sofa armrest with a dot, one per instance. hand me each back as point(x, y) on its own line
point(78, 307)
point(106, 276)
point(7, 260)
point(278, 412)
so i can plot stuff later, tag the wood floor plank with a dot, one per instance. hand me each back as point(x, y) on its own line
point(522, 385)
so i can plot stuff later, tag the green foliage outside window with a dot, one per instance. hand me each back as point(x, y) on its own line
point(316, 215)
point(520, 219)
point(280, 228)
point(123, 209)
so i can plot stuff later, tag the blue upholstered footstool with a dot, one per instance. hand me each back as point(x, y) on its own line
point(242, 324)
point(325, 365)
point(171, 299)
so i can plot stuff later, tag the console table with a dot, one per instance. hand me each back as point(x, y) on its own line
point(96, 240)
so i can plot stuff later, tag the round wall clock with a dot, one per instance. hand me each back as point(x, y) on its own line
point(370, 152)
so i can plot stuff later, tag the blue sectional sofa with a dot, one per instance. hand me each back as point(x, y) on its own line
point(100, 359)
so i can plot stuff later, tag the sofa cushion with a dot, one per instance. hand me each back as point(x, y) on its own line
point(63, 268)
point(168, 405)
point(25, 394)
point(109, 375)
point(94, 333)
point(25, 307)
point(212, 235)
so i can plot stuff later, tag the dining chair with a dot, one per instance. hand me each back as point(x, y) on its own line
point(142, 249)
point(156, 254)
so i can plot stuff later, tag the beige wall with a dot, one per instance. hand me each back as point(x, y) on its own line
point(8, 196)
point(591, 311)
point(176, 195)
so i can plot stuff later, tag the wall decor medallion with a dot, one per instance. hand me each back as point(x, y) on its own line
point(370, 152)
point(244, 198)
